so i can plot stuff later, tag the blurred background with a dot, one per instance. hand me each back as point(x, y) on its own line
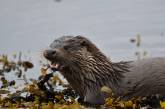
point(120, 28)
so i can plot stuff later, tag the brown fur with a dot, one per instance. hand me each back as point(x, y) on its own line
point(87, 69)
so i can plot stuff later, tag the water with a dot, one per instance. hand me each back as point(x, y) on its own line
point(31, 25)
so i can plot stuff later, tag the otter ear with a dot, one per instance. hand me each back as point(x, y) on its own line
point(82, 40)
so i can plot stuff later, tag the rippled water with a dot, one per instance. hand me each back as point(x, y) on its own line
point(30, 25)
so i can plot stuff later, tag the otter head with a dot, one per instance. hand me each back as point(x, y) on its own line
point(71, 53)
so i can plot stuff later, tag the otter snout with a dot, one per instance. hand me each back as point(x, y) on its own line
point(49, 54)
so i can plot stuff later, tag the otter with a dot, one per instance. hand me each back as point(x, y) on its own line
point(87, 69)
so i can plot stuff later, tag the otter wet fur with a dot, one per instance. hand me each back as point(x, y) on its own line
point(87, 69)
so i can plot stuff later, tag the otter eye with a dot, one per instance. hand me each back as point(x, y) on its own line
point(83, 43)
point(66, 47)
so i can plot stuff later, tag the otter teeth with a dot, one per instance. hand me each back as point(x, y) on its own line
point(55, 65)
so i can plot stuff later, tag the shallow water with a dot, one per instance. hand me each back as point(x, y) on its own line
point(29, 25)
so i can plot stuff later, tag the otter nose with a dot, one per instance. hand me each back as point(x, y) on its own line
point(49, 53)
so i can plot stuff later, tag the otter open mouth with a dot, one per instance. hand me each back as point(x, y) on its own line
point(56, 66)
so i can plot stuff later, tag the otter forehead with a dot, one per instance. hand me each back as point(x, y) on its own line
point(60, 41)
point(70, 41)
